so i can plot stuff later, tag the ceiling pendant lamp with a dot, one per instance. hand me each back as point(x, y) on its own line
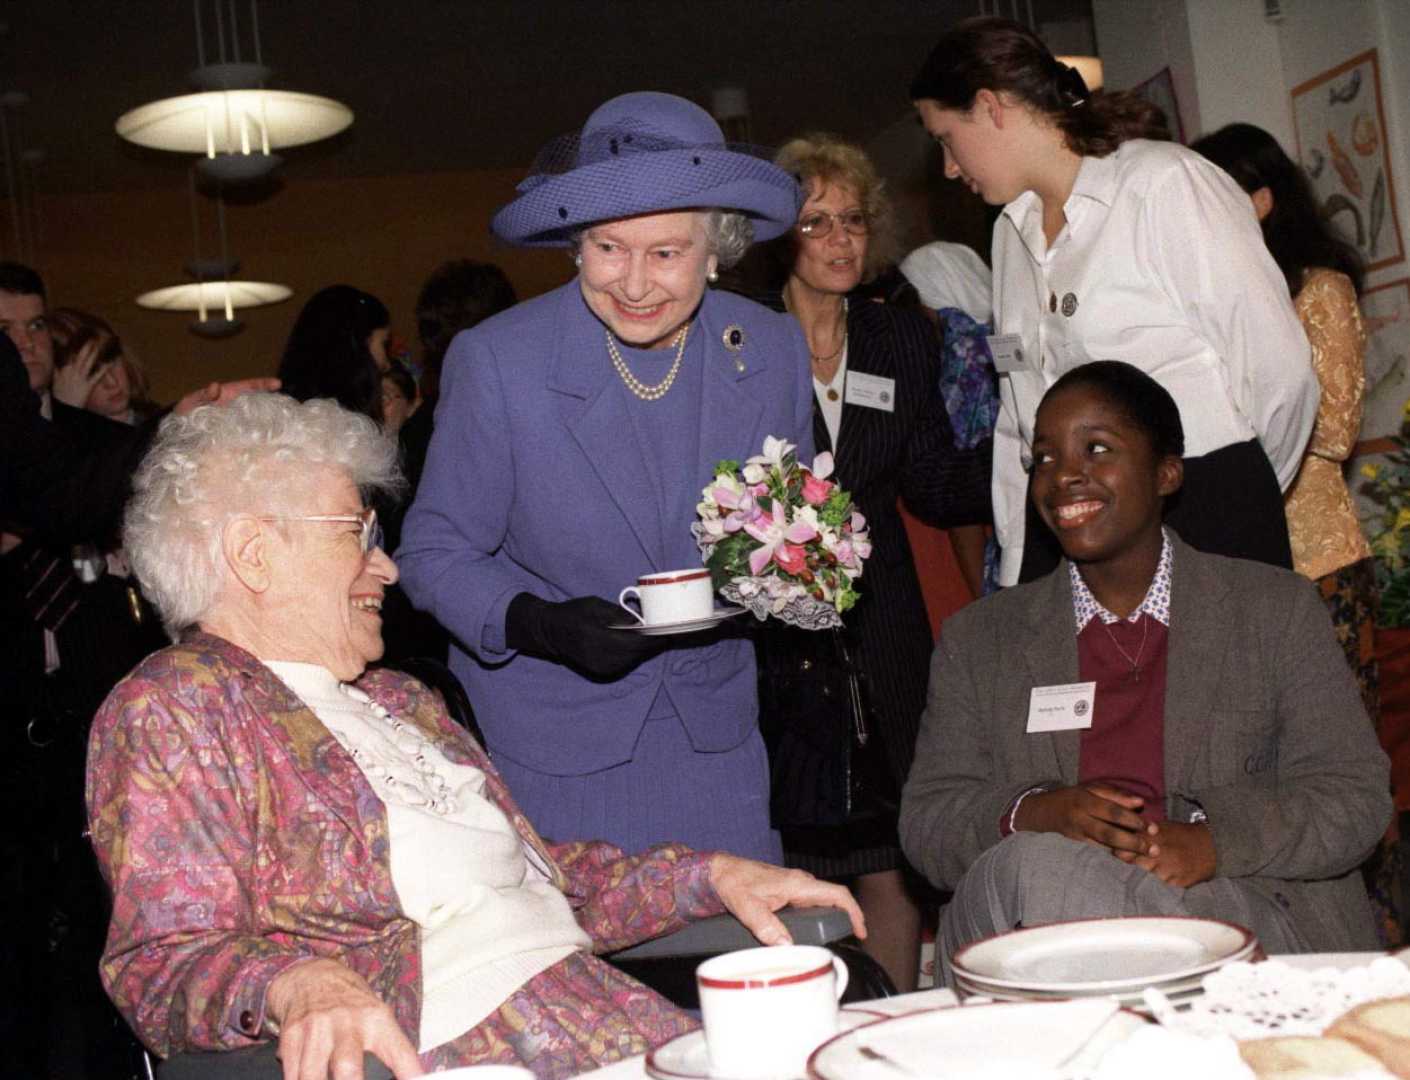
point(216, 293)
point(234, 122)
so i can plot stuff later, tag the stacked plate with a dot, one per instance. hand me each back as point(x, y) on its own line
point(1118, 958)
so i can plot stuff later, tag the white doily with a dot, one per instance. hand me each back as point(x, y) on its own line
point(1254, 1001)
point(804, 612)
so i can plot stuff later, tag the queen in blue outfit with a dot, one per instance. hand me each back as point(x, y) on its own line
point(573, 437)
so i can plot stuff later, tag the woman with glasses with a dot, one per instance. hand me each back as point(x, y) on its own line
point(877, 407)
point(1115, 243)
point(303, 849)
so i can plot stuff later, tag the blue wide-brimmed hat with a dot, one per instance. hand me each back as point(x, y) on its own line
point(644, 153)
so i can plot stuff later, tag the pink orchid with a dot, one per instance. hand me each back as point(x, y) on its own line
point(772, 530)
point(822, 465)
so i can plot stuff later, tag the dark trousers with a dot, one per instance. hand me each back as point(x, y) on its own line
point(1229, 504)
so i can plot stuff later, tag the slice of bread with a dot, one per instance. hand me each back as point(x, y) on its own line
point(1381, 1028)
point(1306, 1057)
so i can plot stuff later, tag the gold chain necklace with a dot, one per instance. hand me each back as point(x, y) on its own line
point(635, 385)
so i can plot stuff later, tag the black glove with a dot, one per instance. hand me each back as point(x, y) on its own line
point(577, 633)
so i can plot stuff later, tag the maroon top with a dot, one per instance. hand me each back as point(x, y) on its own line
point(1125, 746)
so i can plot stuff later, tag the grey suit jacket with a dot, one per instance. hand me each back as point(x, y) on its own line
point(1264, 729)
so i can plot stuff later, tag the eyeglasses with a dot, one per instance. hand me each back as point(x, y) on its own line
point(818, 223)
point(370, 537)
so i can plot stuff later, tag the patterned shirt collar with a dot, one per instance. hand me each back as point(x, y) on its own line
point(1156, 604)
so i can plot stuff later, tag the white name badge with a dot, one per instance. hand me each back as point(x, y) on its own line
point(870, 391)
point(1061, 708)
point(1007, 351)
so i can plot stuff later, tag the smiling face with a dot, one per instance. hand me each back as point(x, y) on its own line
point(831, 263)
point(974, 147)
point(22, 318)
point(1097, 482)
point(644, 276)
point(324, 600)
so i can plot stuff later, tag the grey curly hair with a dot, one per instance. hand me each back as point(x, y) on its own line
point(243, 458)
point(727, 233)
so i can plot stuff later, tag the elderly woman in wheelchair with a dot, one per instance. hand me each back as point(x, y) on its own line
point(304, 850)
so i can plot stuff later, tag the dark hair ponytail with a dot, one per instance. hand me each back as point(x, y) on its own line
point(987, 53)
point(1298, 236)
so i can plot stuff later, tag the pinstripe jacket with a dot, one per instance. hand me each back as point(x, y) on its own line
point(907, 453)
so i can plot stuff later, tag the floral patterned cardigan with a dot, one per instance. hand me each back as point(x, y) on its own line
point(238, 837)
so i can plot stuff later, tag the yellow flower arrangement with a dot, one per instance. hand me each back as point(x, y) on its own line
point(1386, 487)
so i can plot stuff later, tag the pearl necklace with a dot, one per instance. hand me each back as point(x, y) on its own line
point(635, 385)
point(427, 789)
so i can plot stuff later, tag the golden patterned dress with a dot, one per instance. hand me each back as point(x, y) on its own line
point(1322, 523)
point(1327, 543)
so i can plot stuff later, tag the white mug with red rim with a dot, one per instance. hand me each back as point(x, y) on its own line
point(671, 596)
point(767, 1009)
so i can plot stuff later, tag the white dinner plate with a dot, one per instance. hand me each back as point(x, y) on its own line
point(1168, 987)
point(685, 1056)
point(1177, 993)
point(685, 626)
point(1096, 955)
point(977, 1041)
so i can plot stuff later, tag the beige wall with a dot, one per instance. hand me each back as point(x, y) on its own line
point(381, 234)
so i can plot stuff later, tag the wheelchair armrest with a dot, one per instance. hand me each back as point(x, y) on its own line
point(724, 933)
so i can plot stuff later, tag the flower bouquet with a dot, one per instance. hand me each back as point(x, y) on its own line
point(781, 539)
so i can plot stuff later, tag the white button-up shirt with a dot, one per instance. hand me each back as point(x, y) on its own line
point(1161, 264)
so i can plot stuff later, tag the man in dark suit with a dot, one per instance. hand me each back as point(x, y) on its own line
point(68, 631)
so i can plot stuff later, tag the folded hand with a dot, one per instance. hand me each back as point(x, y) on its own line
point(329, 1018)
point(753, 891)
point(1180, 854)
point(1094, 813)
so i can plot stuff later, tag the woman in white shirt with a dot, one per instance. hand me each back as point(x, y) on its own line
point(1115, 246)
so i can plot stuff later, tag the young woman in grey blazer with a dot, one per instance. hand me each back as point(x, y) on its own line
point(1148, 730)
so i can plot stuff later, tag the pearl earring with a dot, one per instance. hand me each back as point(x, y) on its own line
point(712, 277)
point(578, 261)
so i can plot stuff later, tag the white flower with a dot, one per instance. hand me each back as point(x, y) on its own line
point(756, 469)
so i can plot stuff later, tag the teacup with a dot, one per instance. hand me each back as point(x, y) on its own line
point(767, 1009)
point(671, 596)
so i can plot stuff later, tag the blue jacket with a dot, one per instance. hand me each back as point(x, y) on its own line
point(535, 482)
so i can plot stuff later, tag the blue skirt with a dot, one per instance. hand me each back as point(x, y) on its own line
point(668, 792)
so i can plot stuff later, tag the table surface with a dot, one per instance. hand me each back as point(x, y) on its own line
point(934, 999)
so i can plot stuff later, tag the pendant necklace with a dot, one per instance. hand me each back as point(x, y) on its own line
point(832, 394)
point(1134, 675)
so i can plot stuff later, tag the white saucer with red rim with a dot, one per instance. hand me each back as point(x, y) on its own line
point(686, 1058)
